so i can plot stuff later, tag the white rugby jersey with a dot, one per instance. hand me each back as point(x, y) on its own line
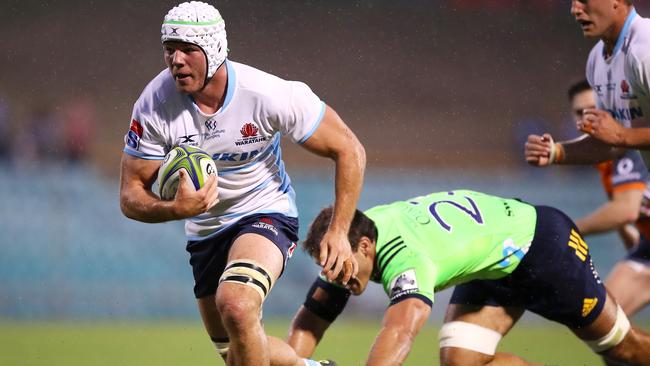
point(243, 137)
point(620, 81)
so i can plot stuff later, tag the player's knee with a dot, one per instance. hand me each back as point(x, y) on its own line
point(463, 343)
point(616, 341)
point(237, 311)
point(626, 350)
point(452, 356)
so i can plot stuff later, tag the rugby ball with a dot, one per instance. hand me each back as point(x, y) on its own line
point(196, 162)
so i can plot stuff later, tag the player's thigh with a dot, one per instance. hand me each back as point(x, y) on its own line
point(471, 333)
point(629, 284)
point(254, 264)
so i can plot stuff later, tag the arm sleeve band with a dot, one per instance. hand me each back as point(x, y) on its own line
point(327, 305)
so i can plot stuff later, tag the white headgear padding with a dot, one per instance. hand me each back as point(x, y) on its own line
point(200, 24)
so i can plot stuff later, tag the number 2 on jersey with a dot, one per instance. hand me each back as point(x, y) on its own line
point(473, 211)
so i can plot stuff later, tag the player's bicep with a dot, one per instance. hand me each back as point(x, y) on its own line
point(332, 136)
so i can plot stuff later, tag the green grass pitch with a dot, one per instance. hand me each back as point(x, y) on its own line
point(173, 343)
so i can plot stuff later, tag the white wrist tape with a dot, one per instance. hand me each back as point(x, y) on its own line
point(615, 336)
point(469, 336)
point(552, 155)
point(222, 348)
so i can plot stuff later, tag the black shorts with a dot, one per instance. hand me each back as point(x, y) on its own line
point(641, 252)
point(555, 279)
point(209, 257)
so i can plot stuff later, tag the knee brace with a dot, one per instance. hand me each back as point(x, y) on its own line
point(222, 345)
point(616, 334)
point(248, 273)
point(469, 336)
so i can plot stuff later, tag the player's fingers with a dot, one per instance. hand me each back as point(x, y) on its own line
point(332, 256)
point(322, 258)
point(347, 270)
point(334, 273)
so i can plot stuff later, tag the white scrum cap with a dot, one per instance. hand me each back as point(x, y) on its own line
point(200, 24)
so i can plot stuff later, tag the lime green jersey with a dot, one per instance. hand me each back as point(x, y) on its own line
point(431, 242)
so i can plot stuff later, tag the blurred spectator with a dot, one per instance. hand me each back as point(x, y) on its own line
point(37, 138)
point(79, 118)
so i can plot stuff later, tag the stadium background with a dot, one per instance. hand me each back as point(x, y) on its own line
point(442, 94)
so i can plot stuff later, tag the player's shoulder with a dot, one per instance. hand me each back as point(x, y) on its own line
point(260, 83)
point(639, 40)
point(157, 94)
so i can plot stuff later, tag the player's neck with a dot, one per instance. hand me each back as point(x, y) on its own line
point(610, 37)
point(211, 98)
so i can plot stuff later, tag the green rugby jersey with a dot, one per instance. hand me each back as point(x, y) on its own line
point(431, 242)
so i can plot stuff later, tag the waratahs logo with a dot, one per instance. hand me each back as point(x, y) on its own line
point(249, 130)
point(249, 134)
point(625, 90)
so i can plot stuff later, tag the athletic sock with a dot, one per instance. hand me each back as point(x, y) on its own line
point(309, 362)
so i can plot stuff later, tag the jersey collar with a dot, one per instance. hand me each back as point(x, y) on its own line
point(624, 32)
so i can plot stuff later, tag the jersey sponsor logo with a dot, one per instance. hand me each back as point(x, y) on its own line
point(626, 114)
point(266, 224)
point(576, 242)
point(625, 166)
point(246, 155)
point(132, 137)
point(588, 304)
point(404, 284)
point(211, 125)
point(249, 133)
point(511, 251)
point(187, 140)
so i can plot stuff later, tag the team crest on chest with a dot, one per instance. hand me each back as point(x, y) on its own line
point(250, 135)
point(625, 90)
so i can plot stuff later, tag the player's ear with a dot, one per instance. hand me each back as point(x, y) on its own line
point(365, 245)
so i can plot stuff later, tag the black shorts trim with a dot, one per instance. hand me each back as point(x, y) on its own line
point(641, 252)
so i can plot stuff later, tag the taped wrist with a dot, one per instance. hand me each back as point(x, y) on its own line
point(326, 300)
point(557, 153)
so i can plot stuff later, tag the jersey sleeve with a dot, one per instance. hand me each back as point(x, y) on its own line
point(407, 275)
point(629, 172)
point(301, 114)
point(144, 139)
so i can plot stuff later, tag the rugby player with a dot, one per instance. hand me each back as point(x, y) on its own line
point(618, 70)
point(504, 256)
point(241, 234)
point(625, 181)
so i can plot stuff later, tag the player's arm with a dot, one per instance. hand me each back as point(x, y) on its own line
point(402, 322)
point(139, 203)
point(543, 151)
point(323, 304)
point(629, 235)
point(335, 140)
point(601, 125)
point(622, 209)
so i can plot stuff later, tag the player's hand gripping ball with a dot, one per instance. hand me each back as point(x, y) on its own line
point(197, 164)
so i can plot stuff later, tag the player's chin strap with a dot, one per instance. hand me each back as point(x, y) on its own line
point(469, 336)
point(249, 273)
point(615, 336)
